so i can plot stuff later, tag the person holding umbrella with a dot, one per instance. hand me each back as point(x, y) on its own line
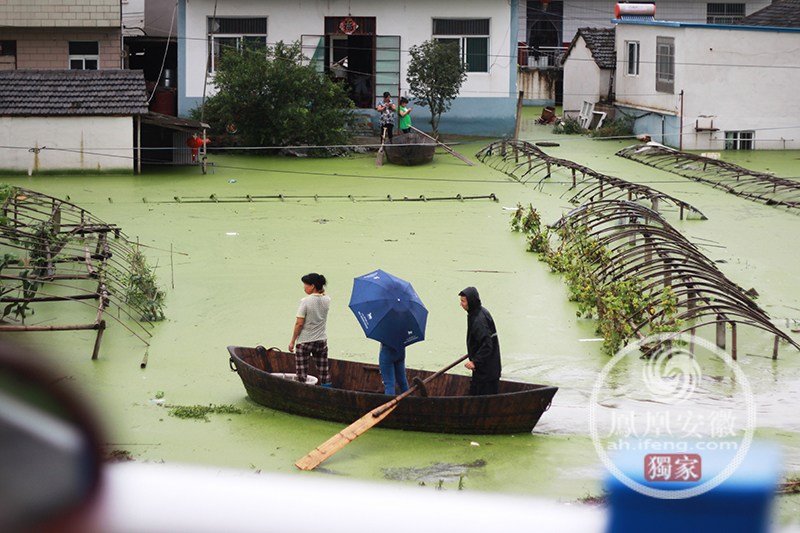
point(392, 363)
point(483, 347)
point(309, 330)
point(390, 312)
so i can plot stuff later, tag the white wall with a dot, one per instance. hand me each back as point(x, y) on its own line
point(133, 18)
point(83, 143)
point(410, 19)
point(583, 79)
point(744, 78)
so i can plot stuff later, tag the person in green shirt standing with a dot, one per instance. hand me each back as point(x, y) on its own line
point(405, 119)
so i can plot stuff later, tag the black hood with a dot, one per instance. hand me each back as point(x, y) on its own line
point(473, 300)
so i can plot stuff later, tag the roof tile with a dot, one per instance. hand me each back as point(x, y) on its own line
point(72, 92)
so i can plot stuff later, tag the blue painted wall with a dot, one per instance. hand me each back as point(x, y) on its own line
point(662, 128)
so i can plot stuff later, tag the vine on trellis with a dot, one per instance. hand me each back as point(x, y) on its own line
point(617, 305)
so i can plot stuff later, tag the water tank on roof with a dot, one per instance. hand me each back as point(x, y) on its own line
point(634, 10)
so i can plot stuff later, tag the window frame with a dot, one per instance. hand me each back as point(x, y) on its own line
point(467, 33)
point(740, 140)
point(85, 59)
point(728, 12)
point(636, 47)
point(665, 64)
point(217, 39)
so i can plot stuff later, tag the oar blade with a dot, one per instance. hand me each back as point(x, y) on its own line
point(348, 434)
point(344, 437)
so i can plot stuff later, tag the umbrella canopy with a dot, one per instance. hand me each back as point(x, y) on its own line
point(388, 309)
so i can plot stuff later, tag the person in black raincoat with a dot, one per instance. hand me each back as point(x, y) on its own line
point(483, 346)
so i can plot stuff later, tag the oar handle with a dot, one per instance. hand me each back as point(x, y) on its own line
point(429, 137)
point(391, 404)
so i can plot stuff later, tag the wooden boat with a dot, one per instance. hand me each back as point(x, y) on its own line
point(410, 149)
point(441, 406)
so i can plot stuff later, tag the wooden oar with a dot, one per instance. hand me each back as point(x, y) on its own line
point(379, 160)
point(447, 148)
point(360, 426)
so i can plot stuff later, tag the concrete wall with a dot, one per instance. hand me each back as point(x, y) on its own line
point(583, 79)
point(740, 77)
point(89, 144)
point(538, 85)
point(60, 13)
point(487, 101)
point(133, 18)
point(48, 48)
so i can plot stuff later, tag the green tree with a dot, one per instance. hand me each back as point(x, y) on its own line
point(272, 99)
point(435, 75)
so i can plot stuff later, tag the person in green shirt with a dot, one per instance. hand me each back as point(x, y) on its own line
point(405, 119)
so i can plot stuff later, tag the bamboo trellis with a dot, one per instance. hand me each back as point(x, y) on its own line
point(756, 186)
point(54, 251)
point(525, 161)
point(641, 243)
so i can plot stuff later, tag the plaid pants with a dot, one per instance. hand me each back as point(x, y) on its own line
point(319, 351)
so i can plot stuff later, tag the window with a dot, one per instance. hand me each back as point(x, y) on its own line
point(232, 33)
point(84, 55)
point(632, 58)
point(724, 13)
point(472, 36)
point(739, 140)
point(665, 64)
point(8, 55)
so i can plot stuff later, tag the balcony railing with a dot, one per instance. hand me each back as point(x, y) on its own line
point(541, 57)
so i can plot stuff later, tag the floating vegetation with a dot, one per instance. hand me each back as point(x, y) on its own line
point(118, 456)
point(140, 288)
point(791, 486)
point(438, 473)
point(201, 412)
point(594, 500)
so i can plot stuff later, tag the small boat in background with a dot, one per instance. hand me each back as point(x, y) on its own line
point(410, 149)
point(441, 406)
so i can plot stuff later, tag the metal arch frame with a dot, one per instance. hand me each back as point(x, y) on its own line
point(659, 255)
point(756, 186)
point(505, 156)
point(83, 242)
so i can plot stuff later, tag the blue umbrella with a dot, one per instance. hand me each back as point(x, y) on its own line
point(388, 309)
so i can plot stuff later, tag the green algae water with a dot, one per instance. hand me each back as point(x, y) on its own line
point(230, 247)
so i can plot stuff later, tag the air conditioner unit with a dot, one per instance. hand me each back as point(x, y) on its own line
point(705, 123)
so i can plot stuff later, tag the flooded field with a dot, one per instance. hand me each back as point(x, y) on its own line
point(232, 269)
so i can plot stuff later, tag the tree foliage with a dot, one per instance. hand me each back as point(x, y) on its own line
point(268, 97)
point(435, 75)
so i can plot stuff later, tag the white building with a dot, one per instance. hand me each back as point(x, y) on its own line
point(589, 67)
point(710, 87)
point(374, 37)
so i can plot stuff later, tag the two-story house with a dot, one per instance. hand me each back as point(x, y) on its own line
point(365, 43)
point(711, 86)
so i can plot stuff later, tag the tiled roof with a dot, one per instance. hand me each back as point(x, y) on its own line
point(782, 14)
point(72, 92)
point(600, 42)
